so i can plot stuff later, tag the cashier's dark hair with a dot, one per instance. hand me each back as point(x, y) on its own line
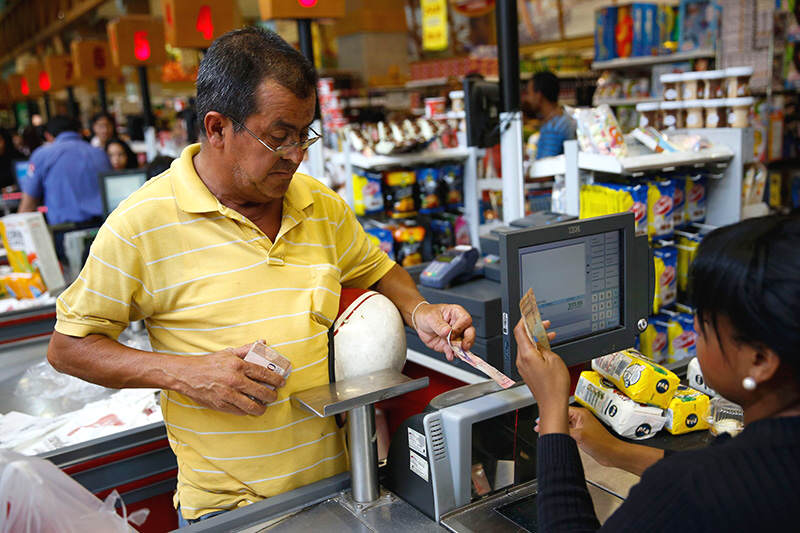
point(749, 272)
point(546, 83)
point(238, 62)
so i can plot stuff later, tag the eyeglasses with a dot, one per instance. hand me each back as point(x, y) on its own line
point(286, 149)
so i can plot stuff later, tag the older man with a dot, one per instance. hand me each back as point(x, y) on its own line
point(228, 246)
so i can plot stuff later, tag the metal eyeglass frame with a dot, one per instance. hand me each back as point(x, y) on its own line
point(285, 149)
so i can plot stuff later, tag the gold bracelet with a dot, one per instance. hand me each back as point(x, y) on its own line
point(414, 322)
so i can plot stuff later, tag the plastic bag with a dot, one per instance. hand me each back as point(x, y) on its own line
point(37, 497)
point(45, 382)
point(598, 131)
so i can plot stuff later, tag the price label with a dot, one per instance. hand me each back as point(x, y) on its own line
point(137, 40)
point(300, 9)
point(91, 60)
point(434, 25)
point(195, 24)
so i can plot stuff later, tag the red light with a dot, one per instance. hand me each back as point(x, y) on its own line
point(44, 81)
point(141, 46)
point(204, 24)
point(307, 3)
point(169, 14)
point(23, 87)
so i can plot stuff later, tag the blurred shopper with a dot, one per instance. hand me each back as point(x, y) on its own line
point(120, 155)
point(8, 154)
point(104, 128)
point(540, 99)
point(64, 176)
point(32, 138)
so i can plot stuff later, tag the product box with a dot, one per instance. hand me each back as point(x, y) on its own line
point(699, 22)
point(626, 417)
point(653, 340)
point(681, 337)
point(679, 214)
point(30, 249)
point(687, 411)
point(696, 199)
point(645, 29)
point(604, 27)
point(660, 196)
point(667, 20)
point(639, 378)
point(367, 192)
point(666, 259)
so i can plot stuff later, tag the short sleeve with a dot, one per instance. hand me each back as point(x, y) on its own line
point(32, 183)
point(362, 263)
point(111, 290)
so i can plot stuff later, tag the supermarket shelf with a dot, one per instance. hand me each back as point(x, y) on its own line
point(663, 161)
point(416, 158)
point(646, 61)
point(549, 166)
point(615, 102)
point(429, 82)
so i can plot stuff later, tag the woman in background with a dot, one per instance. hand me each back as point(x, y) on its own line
point(120, 155)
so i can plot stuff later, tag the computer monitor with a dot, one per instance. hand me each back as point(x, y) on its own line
point(591, 278)
point(118, 185)
point(482, 111)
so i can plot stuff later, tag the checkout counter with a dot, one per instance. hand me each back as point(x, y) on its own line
point(467, 462)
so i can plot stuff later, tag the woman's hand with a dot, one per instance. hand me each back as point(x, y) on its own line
point(548, 378)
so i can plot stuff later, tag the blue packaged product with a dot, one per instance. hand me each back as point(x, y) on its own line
point(431, 193)
point(367, 192)
point(696, 199)
point(383, 239)
point(645, 29)
point(604, 33)
point(453, 177)
point(699, 24)
point(680, 214)
point(638, 194)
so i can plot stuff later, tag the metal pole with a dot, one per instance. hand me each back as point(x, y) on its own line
point(72, 103)
point(316, 158)
point(511, 117)
point(101, 94)
point(363, 453)
point(47, 106)
point(145, 90)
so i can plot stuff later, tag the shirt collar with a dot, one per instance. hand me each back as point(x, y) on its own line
point(67, 135)
point(193, 196)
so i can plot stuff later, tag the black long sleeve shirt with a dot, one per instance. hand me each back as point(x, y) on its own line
point(749, 483)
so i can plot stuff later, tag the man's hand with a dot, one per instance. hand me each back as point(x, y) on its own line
point(548, 378)
point(435, 322)
point(225, 382)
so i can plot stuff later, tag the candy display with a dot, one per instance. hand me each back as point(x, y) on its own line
point(598, 131)
point(394, 137)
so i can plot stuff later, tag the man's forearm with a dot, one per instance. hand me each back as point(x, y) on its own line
point(101, 360)
point(27, 204)
point(399, 287)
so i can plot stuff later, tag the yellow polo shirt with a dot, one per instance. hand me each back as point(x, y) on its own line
point(204, 278)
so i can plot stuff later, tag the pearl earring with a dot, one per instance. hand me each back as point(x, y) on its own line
point(749, 383)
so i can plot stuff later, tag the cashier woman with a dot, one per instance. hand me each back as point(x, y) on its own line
point(229, 246)
point(745, 288)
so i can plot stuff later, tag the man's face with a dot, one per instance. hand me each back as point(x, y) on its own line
point(531, 100)
point(103, 129)
point(259, 175)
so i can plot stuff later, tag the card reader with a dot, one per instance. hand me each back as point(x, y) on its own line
point(448, 266)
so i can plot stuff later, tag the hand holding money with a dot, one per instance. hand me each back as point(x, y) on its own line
point(226, 382)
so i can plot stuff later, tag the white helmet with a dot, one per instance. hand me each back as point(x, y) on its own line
point(368, 335)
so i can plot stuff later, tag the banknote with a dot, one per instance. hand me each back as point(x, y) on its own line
point(262, 354)
point(476, 362)
point(533, 320)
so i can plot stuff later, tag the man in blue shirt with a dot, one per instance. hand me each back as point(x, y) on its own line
point(64, 176)
point(540, 98)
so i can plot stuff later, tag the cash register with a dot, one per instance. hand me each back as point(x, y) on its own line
point(468, 461)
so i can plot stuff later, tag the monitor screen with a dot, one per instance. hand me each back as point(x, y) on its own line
point(117, 186)
point(581, 295)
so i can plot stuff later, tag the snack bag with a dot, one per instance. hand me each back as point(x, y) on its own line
point(367, 193)
point(695, 378)
point(653, 340)
point(598, 131)
point(442, 236)
point(453, 177)
point(628, 418)
point(687, 249)
point(681, 338)
point(400, 193)
point(666, 279)
point(696, 199)
point(687, 411)
point(431, 191)
point(680, 213)
point(639, 378)
point(660, 209)
point(408, 241)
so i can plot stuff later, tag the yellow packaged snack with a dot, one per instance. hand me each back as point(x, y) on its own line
point(687, 411)
point(628, 418)
point(639, 378)
point(659, 270)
